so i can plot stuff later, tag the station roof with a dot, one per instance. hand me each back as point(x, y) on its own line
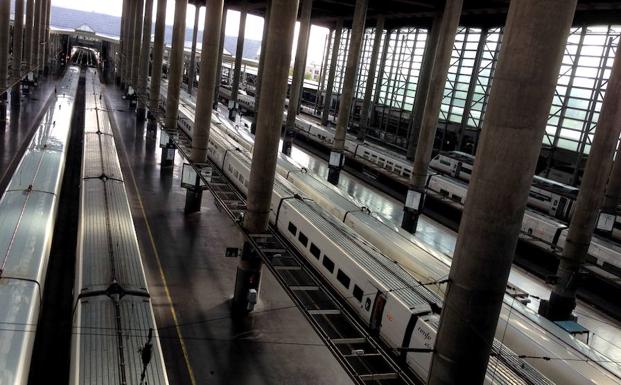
point(404, 13)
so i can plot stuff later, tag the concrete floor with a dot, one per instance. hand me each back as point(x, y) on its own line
point(191, 282)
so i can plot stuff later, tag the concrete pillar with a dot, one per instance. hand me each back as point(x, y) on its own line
point(136, 42)
point(324, 70)
point(156, 65)
point(365, 113)
point(41, 47)
point(535, 35)
point(175, 76)
point(590, 198)
point(120, 59)
point(613, 188)
point(257, 98)
point(337, 158)
point(325, 114)
point(416, 193)
point(205, 95)
point(126, 43)
point(36, 34)
point(144, 61)
point(297, 82)
point(131, 23)
point(192, 71)
point(276, 73)
point(28, 32)
point(5, 15)
point(18, 32)
point(216, 88)
point(239, 53)
point(46, 51)
point(423, 85)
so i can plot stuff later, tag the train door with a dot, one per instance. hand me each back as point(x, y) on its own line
point(560, 210)
point(378, 311)
point(457, 170)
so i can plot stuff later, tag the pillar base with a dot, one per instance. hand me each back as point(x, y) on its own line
point(558, 308)
point(253, 128)
point(232, 114)
point(168, 156)
point(193, 199)
point(15, 97)
point(215, 105)
point(287, 145)
point(334, 174)
point(141, 114)
point(151, 127)
point(409, 222)
point(247, 281)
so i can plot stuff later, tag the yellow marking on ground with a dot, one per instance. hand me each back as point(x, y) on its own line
point(161, 270)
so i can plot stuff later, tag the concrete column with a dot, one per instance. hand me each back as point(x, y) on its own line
point(423, 85)
point(338, 31)
point(365, 113)
point(5, 15)
point(156, 65)
point(324, 70)
point(126, 43)
point(144, 61)
point(175, 76)
point(120, 59)
point(337, 158)
point(416, 193)
point(36, 34)
point(18, 32)
point(590, 198)
point(205, 95)
point(613, 188)
point(131, 23)
point(216, 88)
point(298, 75)
point(239, 53)
point(192, 71)
point(276, 73)
point(41, 48)
point(257, 98)
point(535, 35)
point(46, 51)
point(28, 32)
point(136, 43)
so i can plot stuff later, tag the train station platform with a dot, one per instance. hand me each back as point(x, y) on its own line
point(191, 282)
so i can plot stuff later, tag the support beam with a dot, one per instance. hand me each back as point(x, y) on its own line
point(535, 35)
point(337, 157)
point(423, 85)
point(257, 97)
point(156, 65)
point(136, 43)
point(418, 181)
point(130, 42)
point(216, 88)
point(590, 198)
point(192, 71)
point(175, 76)
point(205, 95)
point(324, 70)
point(28, 33)
point(18, 32)
point(41, 48)
point(365, 113)
point(263, 169)
point(327, 103)
point(126, 43)
point(144, 61)
point(298, 75)
point(122, 42)
point(239, 54)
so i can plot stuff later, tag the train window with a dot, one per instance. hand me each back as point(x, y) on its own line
point(315, 250)
point(328, 264)
point(292, 228)
point(358, 293)
point(303, 239)
point(343, 278)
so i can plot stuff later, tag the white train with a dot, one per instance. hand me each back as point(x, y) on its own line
point(526, 331)
point(113, 322)
point(28, 211)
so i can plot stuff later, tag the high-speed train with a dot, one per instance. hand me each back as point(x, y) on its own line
point(28, 211)
point(115, 339)
point(528, 332)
